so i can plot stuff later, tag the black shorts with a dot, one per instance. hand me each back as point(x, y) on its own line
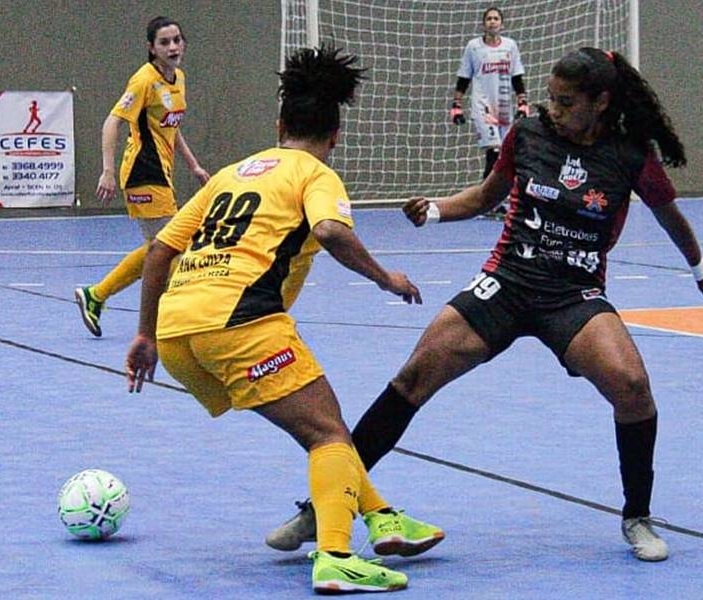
point(500, 311)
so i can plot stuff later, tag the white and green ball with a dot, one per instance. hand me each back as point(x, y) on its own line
point(93, 504)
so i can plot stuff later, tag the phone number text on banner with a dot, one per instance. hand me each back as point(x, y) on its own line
point(37, 157)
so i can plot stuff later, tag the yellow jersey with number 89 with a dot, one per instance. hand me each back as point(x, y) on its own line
point(246, 240)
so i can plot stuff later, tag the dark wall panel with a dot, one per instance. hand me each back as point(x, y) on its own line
point(231, 66)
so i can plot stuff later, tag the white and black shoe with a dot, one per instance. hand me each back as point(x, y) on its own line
point(646, 544)
point(296, 531)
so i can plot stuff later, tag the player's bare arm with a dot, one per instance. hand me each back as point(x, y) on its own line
point(347, 249)
point(142, 356)
point(107, 184)
point(471, 201)
point(680, 232)
point(191, 161)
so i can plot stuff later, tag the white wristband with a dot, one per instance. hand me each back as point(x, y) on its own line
point(697, 271)
point(433, 215)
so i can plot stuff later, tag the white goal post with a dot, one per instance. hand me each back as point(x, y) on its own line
point(397, 140)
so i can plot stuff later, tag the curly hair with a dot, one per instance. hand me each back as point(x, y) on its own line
point(314, 83)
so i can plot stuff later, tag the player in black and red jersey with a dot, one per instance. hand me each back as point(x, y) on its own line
point(570, 173)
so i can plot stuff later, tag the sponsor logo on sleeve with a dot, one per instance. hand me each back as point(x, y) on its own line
point(272, 364)
point(344, 208)
point(127, 100)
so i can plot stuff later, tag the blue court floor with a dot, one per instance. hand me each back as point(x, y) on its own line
point(516, 460)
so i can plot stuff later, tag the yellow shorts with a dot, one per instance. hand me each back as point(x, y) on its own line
point(150, 202)
point(241, 367)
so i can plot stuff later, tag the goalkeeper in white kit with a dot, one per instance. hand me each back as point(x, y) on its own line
point(492, 66)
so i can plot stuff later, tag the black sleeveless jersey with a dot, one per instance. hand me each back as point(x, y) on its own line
point(568, 205)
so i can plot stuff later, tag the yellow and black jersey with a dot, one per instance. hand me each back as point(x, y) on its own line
point(154, 108)
point(246, 240)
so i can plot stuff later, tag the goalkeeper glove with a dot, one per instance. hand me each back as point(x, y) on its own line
point(523, 108)
point(456, 114)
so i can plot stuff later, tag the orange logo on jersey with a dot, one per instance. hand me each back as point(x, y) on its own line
point(255, 167)
point(272, 364)
point(172, 119)
point(595, 201)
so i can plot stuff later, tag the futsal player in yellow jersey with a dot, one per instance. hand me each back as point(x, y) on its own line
point(153, 105)
point(247, 240)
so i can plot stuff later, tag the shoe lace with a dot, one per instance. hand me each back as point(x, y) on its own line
point(643, 526)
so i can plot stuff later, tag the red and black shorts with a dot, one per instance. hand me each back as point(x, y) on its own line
point(501, 310)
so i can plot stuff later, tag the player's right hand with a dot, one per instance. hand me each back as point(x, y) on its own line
point(398, 283)
point(105, 191)
point(141, 362)
point(456, 114)
point(415, 210)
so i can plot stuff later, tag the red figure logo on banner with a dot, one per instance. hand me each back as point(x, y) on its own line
point(33, 118)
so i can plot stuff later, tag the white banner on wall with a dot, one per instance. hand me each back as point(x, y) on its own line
point(37, 157)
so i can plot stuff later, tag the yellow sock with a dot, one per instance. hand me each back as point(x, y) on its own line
point(127, 271)
point(369, 497)
point(334, 490)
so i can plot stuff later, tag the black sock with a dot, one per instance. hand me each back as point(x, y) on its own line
point(382, 425)
point(636, 450)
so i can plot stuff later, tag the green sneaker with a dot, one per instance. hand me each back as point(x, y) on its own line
point(90, 309)
point(334, 575)
point(395, 532)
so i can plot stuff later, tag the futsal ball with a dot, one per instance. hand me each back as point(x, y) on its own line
point(93, 504)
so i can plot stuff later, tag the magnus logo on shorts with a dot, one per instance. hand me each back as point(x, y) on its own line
point(272, 364)
point(572, 175)
point(139, 198)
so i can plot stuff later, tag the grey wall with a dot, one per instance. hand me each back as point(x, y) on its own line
point(671, 51)
point(231, 62)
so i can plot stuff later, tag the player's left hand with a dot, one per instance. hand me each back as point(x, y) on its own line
point(201, 174)
point(141, 362)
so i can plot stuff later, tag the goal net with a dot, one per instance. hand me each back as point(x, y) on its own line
point(397, 140)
